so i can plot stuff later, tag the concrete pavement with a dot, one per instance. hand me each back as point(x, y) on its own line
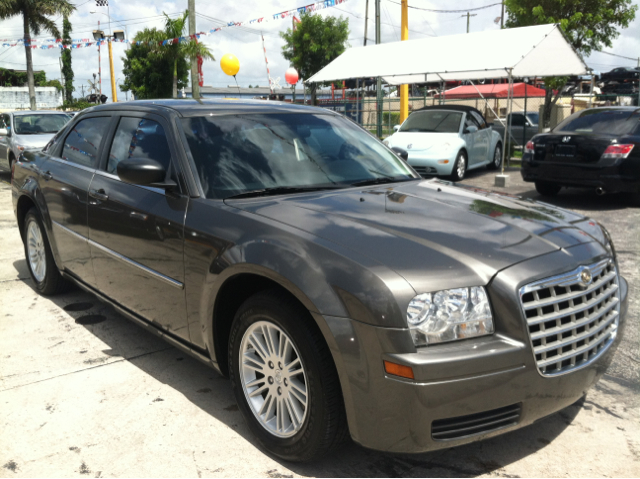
point(86, 393)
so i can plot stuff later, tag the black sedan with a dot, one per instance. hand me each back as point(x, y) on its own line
point(597, 148)
point(621, 74)
point(341, 293)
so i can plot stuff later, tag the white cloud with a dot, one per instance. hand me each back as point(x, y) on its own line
point(246, 43)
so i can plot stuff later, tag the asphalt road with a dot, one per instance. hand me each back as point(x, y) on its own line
point(85, 393)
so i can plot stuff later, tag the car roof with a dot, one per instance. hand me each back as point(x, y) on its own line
point(37, 112)
point(462, 108)
point(188, 107)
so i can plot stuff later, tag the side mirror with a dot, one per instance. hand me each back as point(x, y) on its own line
point(470, 129)
point(401, 153)
point(396, 127)
point(4, 132)
point(145, 172)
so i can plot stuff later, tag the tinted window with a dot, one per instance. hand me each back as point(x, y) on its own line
point(517, 120)
point(82, 143)
point(601, 120)
point(239, 153)
point(441, 121)
point(39, 124)
point(139, 138)
point(470, 121)
point(479, 119)
point(533, 118)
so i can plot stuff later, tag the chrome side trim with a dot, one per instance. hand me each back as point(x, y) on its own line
point(71, 163)
point(124, 259)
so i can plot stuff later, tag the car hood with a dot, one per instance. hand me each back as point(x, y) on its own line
point(34, 141)
point(435, 234)
point(421, 141)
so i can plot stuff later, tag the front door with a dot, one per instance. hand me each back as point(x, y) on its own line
point(136, 232)
point(66, 178)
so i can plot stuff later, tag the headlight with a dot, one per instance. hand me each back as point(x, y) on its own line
point(449, 315)
point(386, 142)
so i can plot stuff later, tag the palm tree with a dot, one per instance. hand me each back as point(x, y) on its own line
point(175, 29)
point(35, 15)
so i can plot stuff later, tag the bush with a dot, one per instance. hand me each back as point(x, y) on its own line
point(75, 105)
point(395, 118)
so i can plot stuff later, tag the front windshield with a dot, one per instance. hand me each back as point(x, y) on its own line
point(241, 153)
point(440, 121)
point(39, 124)
point(533, 118)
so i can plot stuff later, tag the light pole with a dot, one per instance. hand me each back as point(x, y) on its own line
point(117, 35)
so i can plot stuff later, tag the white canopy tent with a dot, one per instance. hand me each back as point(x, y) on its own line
point(538, 51)
point(534, 51)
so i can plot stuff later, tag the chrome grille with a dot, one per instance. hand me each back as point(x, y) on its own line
point(572, 320)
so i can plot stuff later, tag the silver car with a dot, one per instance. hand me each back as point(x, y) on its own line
point(27, 130)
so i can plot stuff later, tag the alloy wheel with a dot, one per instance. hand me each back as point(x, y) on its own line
point(497, 156)
point(273, 379)
point(36, 251)
point(462, 164)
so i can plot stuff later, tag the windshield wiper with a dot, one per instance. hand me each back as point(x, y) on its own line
point(380, 181)
point(282, 190)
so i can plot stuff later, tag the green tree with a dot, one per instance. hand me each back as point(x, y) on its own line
point(145, 69)
point(35, 17)
point(315, 43)
point(67, 71)
point(588, 25)
point(177, 51)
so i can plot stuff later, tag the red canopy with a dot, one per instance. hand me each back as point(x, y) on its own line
point(499, 90)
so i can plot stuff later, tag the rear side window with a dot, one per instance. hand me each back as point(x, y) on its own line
point(517, 120)
point(83, 141)
point(600, 121)
point(139, 138)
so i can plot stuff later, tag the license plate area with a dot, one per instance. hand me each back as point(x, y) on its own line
point(565, 151)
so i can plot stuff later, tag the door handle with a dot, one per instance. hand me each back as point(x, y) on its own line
point(47, 175)
point(99, 194)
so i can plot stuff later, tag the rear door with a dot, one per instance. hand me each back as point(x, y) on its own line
point(66, 176)
point(136, 232)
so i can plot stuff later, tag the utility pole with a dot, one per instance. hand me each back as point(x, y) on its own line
point(99, 63)
point(366, 22)
point(379, 79)
point(404, 35)
point(502, 16)
point(195, 77)
point(468, 15)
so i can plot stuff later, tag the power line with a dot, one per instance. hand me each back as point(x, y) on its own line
point(619, 56)
point(382, 23)
point(449, 11)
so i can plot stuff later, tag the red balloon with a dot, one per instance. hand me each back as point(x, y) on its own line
point(291, 76)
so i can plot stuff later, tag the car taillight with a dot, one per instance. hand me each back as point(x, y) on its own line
point(617, 151)
point(529, 147)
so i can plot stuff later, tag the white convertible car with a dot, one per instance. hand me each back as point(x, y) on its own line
point(444, 140)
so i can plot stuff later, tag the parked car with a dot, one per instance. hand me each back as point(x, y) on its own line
point(21, 131)
point(523, 126)
point(597, 148)
point(447, 140)
point(341, 293)
point(621, 74)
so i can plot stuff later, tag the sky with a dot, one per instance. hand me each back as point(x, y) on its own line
point(246, 42)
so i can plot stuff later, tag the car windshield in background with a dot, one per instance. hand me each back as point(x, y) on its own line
point(600, 121)
point(239, 154)
point(39, 124)
point(440, 121)
point(533, 118)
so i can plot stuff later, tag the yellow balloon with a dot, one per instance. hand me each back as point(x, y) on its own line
point(230, 64)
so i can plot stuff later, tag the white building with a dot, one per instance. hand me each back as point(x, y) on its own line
point(17, 97)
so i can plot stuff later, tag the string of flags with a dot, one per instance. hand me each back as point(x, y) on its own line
point(86, 42)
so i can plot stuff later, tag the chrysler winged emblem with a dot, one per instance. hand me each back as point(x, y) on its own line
point(566, 139)
point(586, 277)
point(409, 146)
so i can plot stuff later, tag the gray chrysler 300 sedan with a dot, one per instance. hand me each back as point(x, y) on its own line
point(339, 291)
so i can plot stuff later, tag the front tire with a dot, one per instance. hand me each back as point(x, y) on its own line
point(42, 267)
point(459, 167)
point(497, 158)
point(284, 379)
point(547, 189)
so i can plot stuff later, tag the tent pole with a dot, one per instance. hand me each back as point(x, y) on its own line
point(504, 144)
point(591, 90)
point(379, 79)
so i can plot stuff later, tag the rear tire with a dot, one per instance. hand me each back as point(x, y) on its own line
point(42, 267)
point(261, 377)
point(547, 189)
point(459, 167)
point(497, 158)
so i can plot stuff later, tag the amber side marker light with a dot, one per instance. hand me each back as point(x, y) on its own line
point(398, 370)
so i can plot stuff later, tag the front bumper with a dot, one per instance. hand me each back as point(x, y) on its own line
point(623, 177)
point(464, 378)
point(430, 166)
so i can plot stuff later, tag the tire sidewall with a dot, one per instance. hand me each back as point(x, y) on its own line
point(299, 445)
point(497, 151)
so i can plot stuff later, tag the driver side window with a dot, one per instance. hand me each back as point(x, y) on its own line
point(470, 121)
